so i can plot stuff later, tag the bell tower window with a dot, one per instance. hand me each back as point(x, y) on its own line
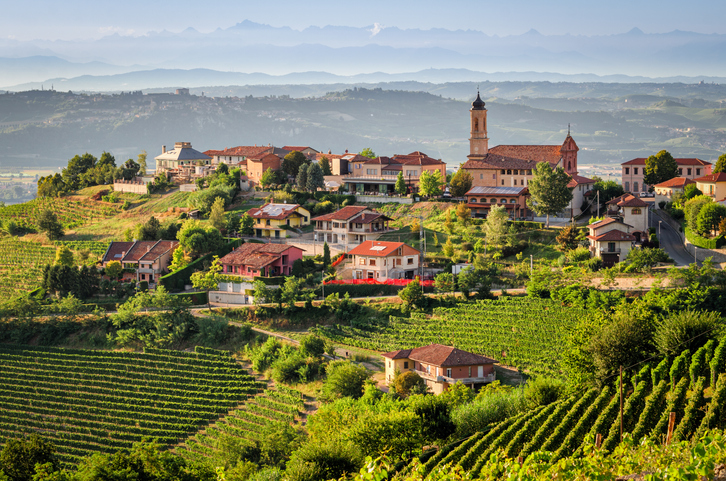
point(476, 125)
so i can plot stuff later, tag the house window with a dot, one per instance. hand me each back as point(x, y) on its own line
point(405, 364)
point(680, 171)
point(627, 186)
point(636, 210)
point(502, 181)
point(389, 363)
point(409, 261)
point(362, 261)
point(448, 372)
point(469, 371)
point(512, 201)
point(611, 246)
point(515, 181)
point(516, 172)
point(698, 171)
point(481, 176)
point(371, 171)
point(473, 200)
point(689, 171)
point(509, 171)
point(267, 222)
point(359, 226)
point(635, 170)
point(372, 262)
point(635, 187)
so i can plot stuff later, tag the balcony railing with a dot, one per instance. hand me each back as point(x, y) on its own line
point(453, 380)
point(605, 250)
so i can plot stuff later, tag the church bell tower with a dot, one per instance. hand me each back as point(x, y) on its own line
point(478, 141)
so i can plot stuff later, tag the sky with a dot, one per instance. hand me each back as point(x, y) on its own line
point(83, 19)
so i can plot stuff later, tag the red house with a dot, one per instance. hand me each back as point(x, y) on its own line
point(441, 366)
point(251, 260)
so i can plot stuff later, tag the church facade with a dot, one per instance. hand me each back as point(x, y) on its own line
point(514, 165)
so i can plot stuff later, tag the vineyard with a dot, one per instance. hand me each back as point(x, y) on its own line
point(99, 401)
point(96, 248)
point(70, 213)
point(273, 407)
point(693, 386)
point(522, 332)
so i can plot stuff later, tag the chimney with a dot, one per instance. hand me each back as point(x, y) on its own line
point(346, 151)
point(163, 149)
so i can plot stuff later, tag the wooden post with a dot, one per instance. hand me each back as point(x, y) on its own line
point(598, 440)
point(671, 425)
point(621, 403)
point(520, 460)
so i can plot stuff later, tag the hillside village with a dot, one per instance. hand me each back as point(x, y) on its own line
point(282, 312)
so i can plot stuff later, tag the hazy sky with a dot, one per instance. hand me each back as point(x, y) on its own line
point(53, 19)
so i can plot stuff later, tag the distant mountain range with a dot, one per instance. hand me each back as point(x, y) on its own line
point(350, 54)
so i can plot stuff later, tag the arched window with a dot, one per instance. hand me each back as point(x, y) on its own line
point(473, 200)
point(509, 171)
point(636, 211)
point(504, 201)
point(476, 125)
point(512, 201)
point(569, 165)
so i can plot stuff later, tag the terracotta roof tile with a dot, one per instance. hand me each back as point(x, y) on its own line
point(345, 213)
point(273, 211)
point(380, 249)
point(495, 161)
point(538, 153)
point(116, 251)
point(440, 355)
point(159, 249)
point(717, 177)
point(676, 182)
point(607, 221)
point(579, 180)
point(255, 255)
point(613, 235)
point(679, 161)
point(628, 200)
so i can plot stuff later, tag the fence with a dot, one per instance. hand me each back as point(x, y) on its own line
point(388, 282)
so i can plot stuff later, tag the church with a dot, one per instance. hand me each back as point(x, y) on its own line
point(514, 165)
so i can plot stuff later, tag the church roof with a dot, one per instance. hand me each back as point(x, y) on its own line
point(496, 161)
point(539, 153)
point(478, 103)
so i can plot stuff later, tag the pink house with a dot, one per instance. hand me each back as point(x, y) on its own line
point(251, 260)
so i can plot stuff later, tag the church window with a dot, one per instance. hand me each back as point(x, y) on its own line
point(512, 201)
point(516, 172)
point(509, 171)
point(529, 172)
point(569, 165)
point(476, 125)
point(504, 171)
point(636, 211)
point(502, 181)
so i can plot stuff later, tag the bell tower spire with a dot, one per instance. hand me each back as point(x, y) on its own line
point(478, 140)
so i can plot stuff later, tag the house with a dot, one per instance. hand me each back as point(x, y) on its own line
point(581, 188)
point(481, 199)
point(252, 260)
point(384, 260)
point(258, 165)
point(308, 152)
point(149, 259)
point(713, 185)
point(441, 366)
point(237, 156)
point(273, 220)
point(610, 242)
point(665, 190)
point(379, 175)
point(514, 165)
point(632, 211)
point(352, 224)
point(183, 163)
point(633, 172)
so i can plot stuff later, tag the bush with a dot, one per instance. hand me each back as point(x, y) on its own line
point(312, 346)
point(677, 331)
point(541, 391)
point(344, 379)
point(594, 264)
point(520, 246)
point(407, 382)
point(697, 240)
point(581, 254)
point(315, 461)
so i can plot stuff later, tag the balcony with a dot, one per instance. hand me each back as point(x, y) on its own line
point(605, 250)
point(453, 380)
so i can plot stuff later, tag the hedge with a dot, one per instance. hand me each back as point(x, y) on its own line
point(197, 298)
point(702, 242)
point(359, 290)
point(527, 224)
point(178, 279)
point(271, 281)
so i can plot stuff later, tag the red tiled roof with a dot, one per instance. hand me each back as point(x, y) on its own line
point(298, 148)
point(579, 180)
point(606, 221)
point(414, 158)
point(379, 248)
point(242, 150)
point(495, 161)
point(368, 218)
point(343, 214)
point(439, 355)
point(681, 161)
point(138, 250)
point(116, 251)
point(159, 249)
point(628, 200)
point(717, 177)
point(538, 153)
point(676, 182)
point(613, 235)
point(273, 211)
point(255, 255)
point(263, 157)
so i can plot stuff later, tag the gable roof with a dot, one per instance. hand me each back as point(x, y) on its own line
point(613, 235)
point(345, 213)
point(138, 250)
point(679, 161)
point(537, 153)
point(607, 221)
point(440, 355)
point(241, 150)
point(628, 200)
point(298, 148)
point(717, 177)
point(116, 251)
point(159, 249)
point(273, 211)
point(579, 180)
point(256, 255)
point(182, 151)
point(496, 161)
point(676, 182)
point(380, 249)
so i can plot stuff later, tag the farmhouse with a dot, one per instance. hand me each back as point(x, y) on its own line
point(713, 185)
point(441, 366)
point(352, 224)
point(611, 240)
point(273, 220)
point(384, 260)
point(149, 259)
point(252, 260)
point(665, 190)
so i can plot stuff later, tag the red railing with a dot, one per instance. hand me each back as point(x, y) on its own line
point(389, 282)
point(337, 261)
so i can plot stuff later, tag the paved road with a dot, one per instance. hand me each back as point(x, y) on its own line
point(671, 241)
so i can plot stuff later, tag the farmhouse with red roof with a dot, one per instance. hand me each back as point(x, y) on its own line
point(441, 366)
point(352, 224)
point(149, 259)
point(252, 260)
point(384, 260)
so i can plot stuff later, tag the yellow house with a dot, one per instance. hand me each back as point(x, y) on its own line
point(274, 220)
point(713, 185)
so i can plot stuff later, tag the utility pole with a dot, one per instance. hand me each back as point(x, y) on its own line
point(531, 265)
point(695, 255)
point(621, 403)
point(422, 236)
point(598, 203)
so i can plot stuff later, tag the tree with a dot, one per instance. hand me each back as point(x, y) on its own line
point(292, 162)
point(315, 179)
point(196, 239)
point(207, 280)
point(326, 255)
point(216, 215)
point(400, 186)
point(448, 222)
point(413, 294)
point(247, 225)
point(692, 209)
point(463, 213)
point(659, 168)
point(179, 260)
point(567, 238)
point(114, 269)
point(407, 381)
point(345, 379)
point(608, 191)
point(150, 230)
point(64, 256)
point(325, 165)
point(48, 223)
point(142, 162)
point(549, 191)
point(129, 169)
point(444, 282)
point(311, 345)
point(268, 178)
point(367, 152)
point(19, 457)
point(710, 217)
point(720, 164)
point(430, 183)
point(687, 330)
point(496, 227)
point(461, 182)
point(689, 192)
point(302, 179)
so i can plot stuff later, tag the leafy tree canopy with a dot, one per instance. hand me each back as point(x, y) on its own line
point(292, 162)
point(461, 182)
point(430, 183)
point(549, 191)
point(659, 168)
point(367, 152)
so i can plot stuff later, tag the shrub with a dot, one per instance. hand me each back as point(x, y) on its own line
point(344, 379)
point(580, 254)
point(315, 461)
point(312, 346)
point(678, 331)
point(541, 391)
point(407, 381)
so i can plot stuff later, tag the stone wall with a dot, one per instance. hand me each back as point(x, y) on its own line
point(130, 186)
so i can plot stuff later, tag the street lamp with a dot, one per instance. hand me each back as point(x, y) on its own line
point(695, 256)
point(659, 224)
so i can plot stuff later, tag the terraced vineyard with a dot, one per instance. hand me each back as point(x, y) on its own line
point(522, 332)
point(99, 401)
point(281, 405)
point(70, 213)
point(693, 386)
